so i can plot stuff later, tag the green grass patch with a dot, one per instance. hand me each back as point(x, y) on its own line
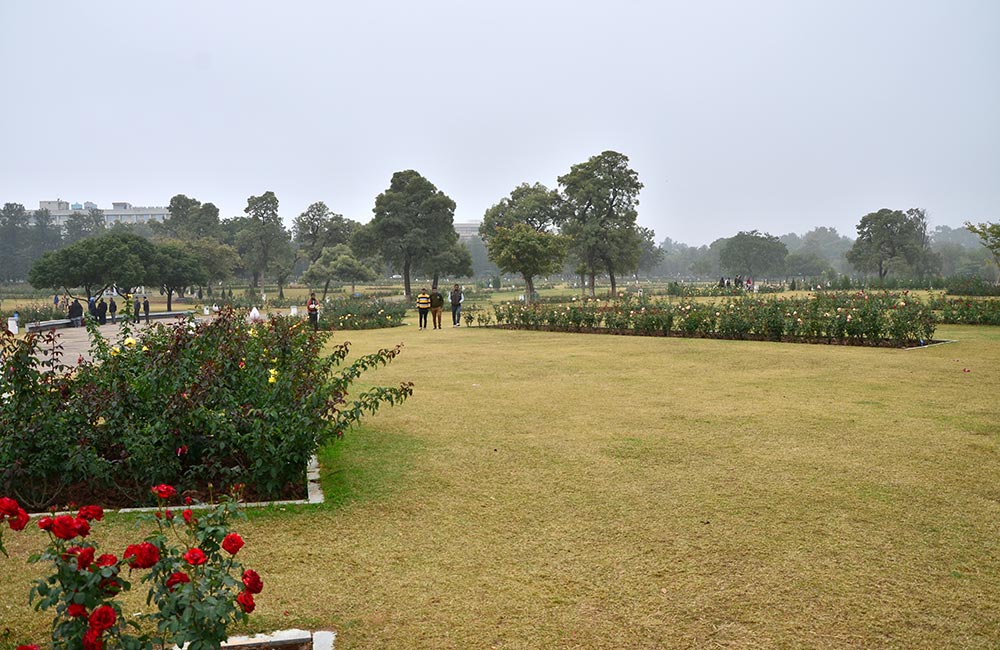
point(544, 490)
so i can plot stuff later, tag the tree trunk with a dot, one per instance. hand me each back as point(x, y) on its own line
point(529, 288)
point(583, 284)
point(434, 284)
point(170, 295)
point(256, 279)
point(326, 287)
point(614, 292)
point(281, 291)
point(592, 284)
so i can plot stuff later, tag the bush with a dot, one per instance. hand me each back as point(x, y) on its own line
point(193, 403)
point(360, 314)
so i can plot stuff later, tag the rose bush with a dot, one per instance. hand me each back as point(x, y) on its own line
point(221, 401)
point(198, 588)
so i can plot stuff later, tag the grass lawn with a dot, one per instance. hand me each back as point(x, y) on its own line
point(546, 490)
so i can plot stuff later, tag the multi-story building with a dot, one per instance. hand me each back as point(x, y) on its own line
point(467, 229)
point(119, 213)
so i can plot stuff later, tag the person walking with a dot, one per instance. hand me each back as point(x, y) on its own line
point(423, 306)
point(437, 306)
point(312, 308)
point(456, 298)
point(145, 307)
point(113, 309)
point(136, 307)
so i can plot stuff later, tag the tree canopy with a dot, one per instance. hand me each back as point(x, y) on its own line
point(601, 196)
point(319, 227)
point(413, 221)
point(337, 263)
point(519, 233)
point(261, 238)
point(118, 259)
point(753, 254)
point(989, 235)
point(892, 240)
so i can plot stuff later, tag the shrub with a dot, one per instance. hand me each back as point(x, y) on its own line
point(219, 401)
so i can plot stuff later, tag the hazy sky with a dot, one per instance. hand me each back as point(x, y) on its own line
point(775, 115)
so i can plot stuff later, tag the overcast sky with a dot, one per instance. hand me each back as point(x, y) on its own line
point(774, 115)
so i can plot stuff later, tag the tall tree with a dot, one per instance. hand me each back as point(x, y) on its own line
point(46, 235)
point(261, 238)
point(319, 228)
point(520, 236)
point(601, 196)
point(413, 219)
point(174, 268)
point(989, 235)
point(752, 254)
point(15, 254)
point(189, 219)
point(337, 263)
point(80, 226)
point(892, 240)
point(452, 260)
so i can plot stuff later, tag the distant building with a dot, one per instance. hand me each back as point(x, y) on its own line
point(119, 213)
point(467, 229)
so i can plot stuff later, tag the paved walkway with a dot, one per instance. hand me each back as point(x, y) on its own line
point(76, 341)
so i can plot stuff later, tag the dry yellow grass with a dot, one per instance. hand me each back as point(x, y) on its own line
point(570, 491)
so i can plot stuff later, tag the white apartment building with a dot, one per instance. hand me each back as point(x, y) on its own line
point(119, 213)
point(467, 229)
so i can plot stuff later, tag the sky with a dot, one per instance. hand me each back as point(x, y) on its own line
point(775, 115)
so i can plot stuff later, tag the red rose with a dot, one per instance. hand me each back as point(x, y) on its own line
point(245, 599)
point(176, 579)
point(31, 646)
point(107, 560)
point(91, 513)
point(110, 586)
point(76, 610)
point(84, 556)
point(102, 618)
point(18, 520)
point(164, 491)
point(92, 640)
point(8, 506)
point(82, 527)
point(195, 556)
point(232, 543)
point(143, 555)
point(252, 581)
point(64, 527)
point(188, 516)
point(45, 523)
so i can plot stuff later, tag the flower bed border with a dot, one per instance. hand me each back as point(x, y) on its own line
point(785, 338)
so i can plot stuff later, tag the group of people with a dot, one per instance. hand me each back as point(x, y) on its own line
point(100, 310)
point(433, 302)
point(738, 282)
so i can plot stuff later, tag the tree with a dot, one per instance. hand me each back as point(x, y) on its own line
point(216, 259)
point(413, 220)
point(96, 264)
point(261, 238)
point(650, 254)
point(174, 268)
point(601, 196)
point(337, 263)
point(753, 254)
point(520, 236)
point(45, 234)
point(189, 219)
point(452, 260)
point(319, 228)
point(892, 240)
point(80, 226)
point(989, 235)
point(806, 264)
point(14, 242)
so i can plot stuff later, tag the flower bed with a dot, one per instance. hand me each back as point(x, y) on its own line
point(214, 403)
point(856, 319)
point(360, 314)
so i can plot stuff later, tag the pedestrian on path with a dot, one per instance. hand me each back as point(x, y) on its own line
point(113, 309)
point(145, 307)
point(423, 306)
point(456, 298)
point(437, 305)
